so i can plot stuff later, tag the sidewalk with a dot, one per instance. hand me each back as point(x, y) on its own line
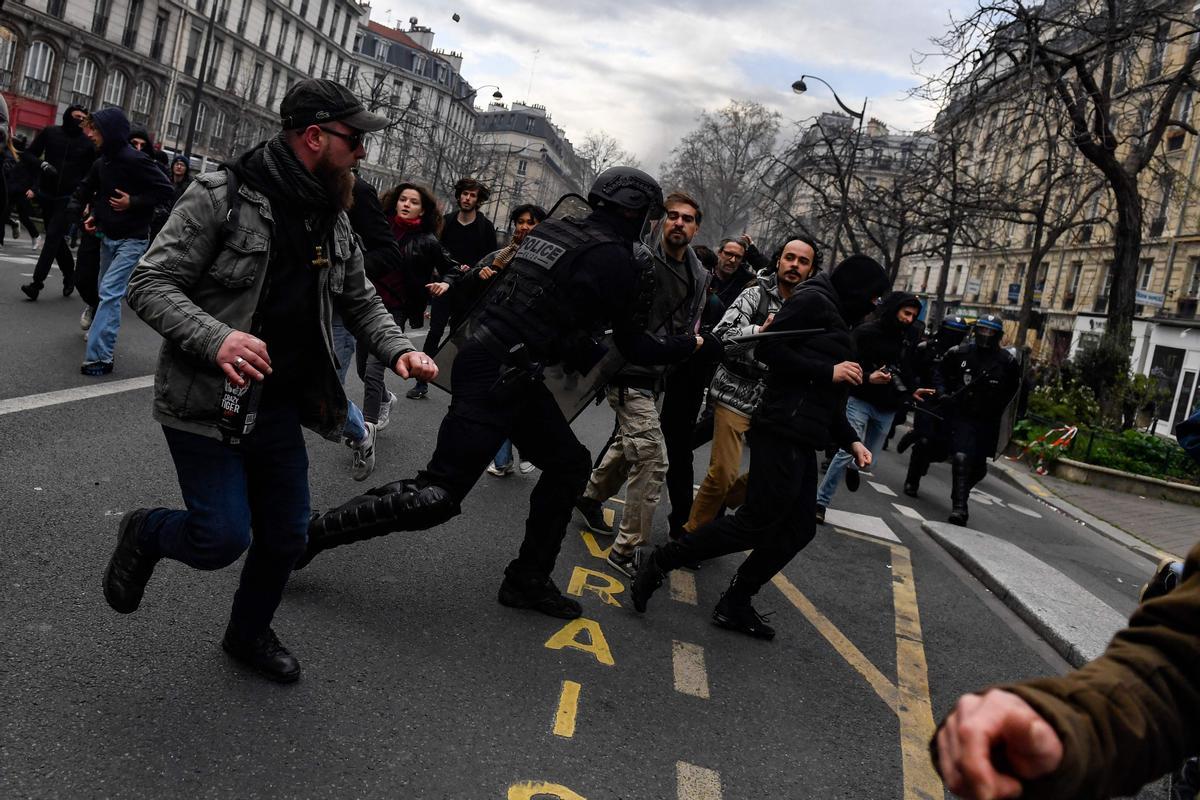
point(1152, 527)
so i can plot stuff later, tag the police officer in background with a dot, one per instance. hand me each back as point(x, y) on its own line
point(929, 437)
point(979, 379)
point(570, 279)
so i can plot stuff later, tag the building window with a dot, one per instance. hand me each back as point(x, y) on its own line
point(296, 45)
point(223, 13)
point(114, 90)
point(235, 66)
point(214, 60)
point(337, 16)
point(337, 76)
point(325, 63)
point(201, 122)
point(1193, 284)
point(266, 31)
point(273, 88)
point(1158, 50)
point(143, 99)
point(100, 17)
point(522, 166)
point(244, 17)
point(255, 82)
point(530, 124)
point(195, 37)
point(39, 69)
point(284, 28)
point(133, 20)
point(1147, 273)
point(321, 14)
point(85, 83)
point(345, 31)
point(418, 64)
point(397, 90)
point(179, 112)
point(161, 21)
point(8, 56)
point(303, 8)
point(56, 8)
point(414, 99)
point(312, 59)
point(218, 131)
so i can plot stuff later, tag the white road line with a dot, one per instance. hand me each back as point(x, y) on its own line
point(882, 488)
point(690, 676)
point(911, 513)
point(861, 523)
point(32, 401)
point(1026, 511)
point(683, 587)
point(697, 783)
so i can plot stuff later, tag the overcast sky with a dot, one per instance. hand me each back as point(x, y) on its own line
point(643, 71)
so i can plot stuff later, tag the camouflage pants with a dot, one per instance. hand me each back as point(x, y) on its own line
point(637, 457)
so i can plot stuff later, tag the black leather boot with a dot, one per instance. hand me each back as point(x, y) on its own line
point(130, 567)
point(960, 488)
point(264, 654)
point(734, 612)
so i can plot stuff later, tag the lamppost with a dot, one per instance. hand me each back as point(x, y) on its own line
point(437, 172)
point(800, 87)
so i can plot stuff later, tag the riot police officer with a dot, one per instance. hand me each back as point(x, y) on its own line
point(980, 378)
point(570, 279)
point(929, 437)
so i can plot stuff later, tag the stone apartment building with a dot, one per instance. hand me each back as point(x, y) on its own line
point(146, 57)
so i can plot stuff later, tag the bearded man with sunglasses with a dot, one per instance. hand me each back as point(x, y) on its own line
point(242, 282)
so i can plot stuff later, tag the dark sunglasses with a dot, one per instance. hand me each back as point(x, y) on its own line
point(353, 140)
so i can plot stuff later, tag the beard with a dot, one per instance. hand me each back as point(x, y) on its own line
point(338, 183)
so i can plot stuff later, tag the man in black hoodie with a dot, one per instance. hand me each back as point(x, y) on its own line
point(884, 355)
point(122, 193)
point(63, 155)
point(800, 412)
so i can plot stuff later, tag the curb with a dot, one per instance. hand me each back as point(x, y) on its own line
point(1076, 623)
point(1025, 480)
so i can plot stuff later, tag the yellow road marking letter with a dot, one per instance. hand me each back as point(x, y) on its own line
point(596, 644)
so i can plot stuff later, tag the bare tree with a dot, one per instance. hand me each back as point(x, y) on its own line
point(599, 151)
point(721, 163)
point(1115, 71)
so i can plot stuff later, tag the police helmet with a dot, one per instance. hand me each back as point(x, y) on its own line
point(988, 332)
point(953, 322)
point(628, 188)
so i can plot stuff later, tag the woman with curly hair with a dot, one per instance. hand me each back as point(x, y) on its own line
point(416, 221)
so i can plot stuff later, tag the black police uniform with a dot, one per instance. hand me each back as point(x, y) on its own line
point(978, 382)
point(930, 434)
point(570, 278)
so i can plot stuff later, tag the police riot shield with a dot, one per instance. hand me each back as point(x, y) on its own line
point(572, 390)
point(1008, 419)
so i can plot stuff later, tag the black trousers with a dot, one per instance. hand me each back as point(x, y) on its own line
point(87, 269)
point(480, 418)
point(20, 203)
point(775, 522)
point(683, 395)
point(55, 247)
point(439, 316)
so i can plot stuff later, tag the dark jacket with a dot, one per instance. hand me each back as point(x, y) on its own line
point(883, 342)
point(121, 167)
point(381, 252)
point(63, 154)
point(468, 243)
point(1130, 715)
point(801, 402)
point(402, 286)
point(730, 288)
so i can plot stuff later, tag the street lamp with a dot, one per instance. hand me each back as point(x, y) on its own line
point(437, 171)
point(800, 87)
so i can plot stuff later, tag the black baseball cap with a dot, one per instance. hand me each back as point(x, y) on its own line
point(313, 101)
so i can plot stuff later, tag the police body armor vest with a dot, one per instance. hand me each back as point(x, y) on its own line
point(529, 305)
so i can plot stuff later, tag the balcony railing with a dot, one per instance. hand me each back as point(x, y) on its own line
point(32, 87)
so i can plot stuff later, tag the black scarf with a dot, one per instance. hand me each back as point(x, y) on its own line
point(273, 169)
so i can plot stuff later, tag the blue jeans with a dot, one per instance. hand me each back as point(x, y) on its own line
point(872, 426)
point(259, 486)
point(343, 347)
point(117, 260)
point(504, 456)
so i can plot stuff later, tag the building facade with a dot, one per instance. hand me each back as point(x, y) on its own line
point(525, 158)
point(147, 56)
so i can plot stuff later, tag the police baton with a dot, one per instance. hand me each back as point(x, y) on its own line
point(756, 337)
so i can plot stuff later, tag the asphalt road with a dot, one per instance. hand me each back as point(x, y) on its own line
point(417, 683)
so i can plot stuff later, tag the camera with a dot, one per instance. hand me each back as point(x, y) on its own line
point(897, 381)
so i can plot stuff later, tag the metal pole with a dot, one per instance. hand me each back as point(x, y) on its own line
point(842, 215)
point(208, 37)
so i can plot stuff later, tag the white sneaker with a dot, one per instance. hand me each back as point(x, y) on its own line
point(85, 319)
point(499, 472)
point(364, 455)
point(526, 467)
point(36, 244)
point(385, 412)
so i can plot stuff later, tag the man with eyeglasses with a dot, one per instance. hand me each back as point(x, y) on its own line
point(637, 453)
point(732, 274)
point(242, 282)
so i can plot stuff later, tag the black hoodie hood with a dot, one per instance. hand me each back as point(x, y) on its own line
point(68, 122)
point(859, 280)
point(891, 305)
point(114, 127)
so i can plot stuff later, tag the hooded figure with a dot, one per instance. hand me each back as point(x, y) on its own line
point(122, 171)
point(62, 153)
point(860, 281)
point(180, 178)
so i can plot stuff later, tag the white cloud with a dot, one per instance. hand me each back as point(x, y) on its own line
point(643, 72)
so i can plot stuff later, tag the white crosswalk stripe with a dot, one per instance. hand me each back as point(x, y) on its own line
point(882, 488)
point(911, 513)
point(861, 523)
